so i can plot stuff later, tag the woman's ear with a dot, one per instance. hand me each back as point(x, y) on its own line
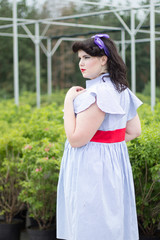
point(104, 60)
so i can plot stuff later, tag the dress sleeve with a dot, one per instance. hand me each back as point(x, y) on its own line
point(106, 97)
point(134, 104)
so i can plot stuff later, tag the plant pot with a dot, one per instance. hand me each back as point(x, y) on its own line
point(36, 234)
point(22, 215)
point(149, 238)
point(10, 231)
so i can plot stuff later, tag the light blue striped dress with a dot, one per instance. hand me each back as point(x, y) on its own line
point(95, 195)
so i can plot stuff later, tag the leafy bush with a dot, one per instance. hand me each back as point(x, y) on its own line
point(40, 164)
point(56, 97)
point(10, 177)
point(147, 90)
point(145, 159)
point(147, 98)
point(11, 115)
point(30, 175)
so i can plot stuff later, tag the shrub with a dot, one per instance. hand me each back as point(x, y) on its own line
point(10, 177)
point(22, 168)
point(56, 97)
point(41, 165)
point(145, 159)
point(46, 122)
point(147, 90)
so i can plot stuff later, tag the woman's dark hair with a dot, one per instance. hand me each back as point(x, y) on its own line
point(115, 65)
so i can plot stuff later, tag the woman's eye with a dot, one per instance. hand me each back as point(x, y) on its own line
point(86, 57)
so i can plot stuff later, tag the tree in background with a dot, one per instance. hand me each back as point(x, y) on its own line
point(143, 55)
point(26, 50)
point(6, 56)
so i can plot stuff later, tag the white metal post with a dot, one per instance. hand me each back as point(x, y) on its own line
point(123, 52)
point(37, 56)
point(133, 60)
point(49, 66)
point(152, 54)
point(15, 54)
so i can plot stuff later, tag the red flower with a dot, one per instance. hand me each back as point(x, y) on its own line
point(46, 149)
point(38, 169)
point(28, 147)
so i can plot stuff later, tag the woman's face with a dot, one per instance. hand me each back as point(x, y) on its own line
point(91, 67)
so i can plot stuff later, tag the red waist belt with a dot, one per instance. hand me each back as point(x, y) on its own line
point(109, 136)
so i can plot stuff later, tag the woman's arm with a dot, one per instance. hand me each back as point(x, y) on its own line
point(133, 129)
point(80, 129)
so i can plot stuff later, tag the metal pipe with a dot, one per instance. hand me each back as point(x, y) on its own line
point(85, 14)
point(29, 33)
point(99, 13)
point(133, 60)
point(44, 48)
point(18, 24)
point(141, 23)
point(111, 5)
point(37, 56)
point(45, 30)
point(145, 31)
point(15, 54)
point(20, 35)
point(123, 52)
point(139, 40)
point(18, 19)
point(123, 23)
point(152, 54)
point(49, 66)
point(63, 39)
point(82, 25)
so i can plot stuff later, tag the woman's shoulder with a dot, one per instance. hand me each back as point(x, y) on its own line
point(83, 101)
point(103, 88)
point(104, 94)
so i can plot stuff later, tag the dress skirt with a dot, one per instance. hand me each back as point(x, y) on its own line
point(96, 198)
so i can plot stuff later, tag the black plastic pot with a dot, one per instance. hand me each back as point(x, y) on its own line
point(149, 238)
point(10, 231)
point(36, 234)
point(22, 217)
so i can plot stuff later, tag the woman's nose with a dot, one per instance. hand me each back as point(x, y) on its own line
point(81, 63)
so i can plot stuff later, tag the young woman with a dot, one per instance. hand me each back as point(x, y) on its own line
point(96, 199)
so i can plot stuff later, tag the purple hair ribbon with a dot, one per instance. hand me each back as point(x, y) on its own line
point(98, 41)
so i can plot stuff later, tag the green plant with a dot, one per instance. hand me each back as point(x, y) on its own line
point(10, 177)
point(157, 112)
point(145, 159)
point(46, 122)
point(147, 98)
point(147, 90)
point(22, 168)
point(57, 97)
point(41, 163)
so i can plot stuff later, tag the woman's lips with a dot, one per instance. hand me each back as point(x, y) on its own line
point(82, 69)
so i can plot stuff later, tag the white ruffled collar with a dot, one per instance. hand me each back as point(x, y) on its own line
point(94, 81)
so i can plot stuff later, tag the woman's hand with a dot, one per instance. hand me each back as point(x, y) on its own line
point(73, 92)
point(80, 128)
